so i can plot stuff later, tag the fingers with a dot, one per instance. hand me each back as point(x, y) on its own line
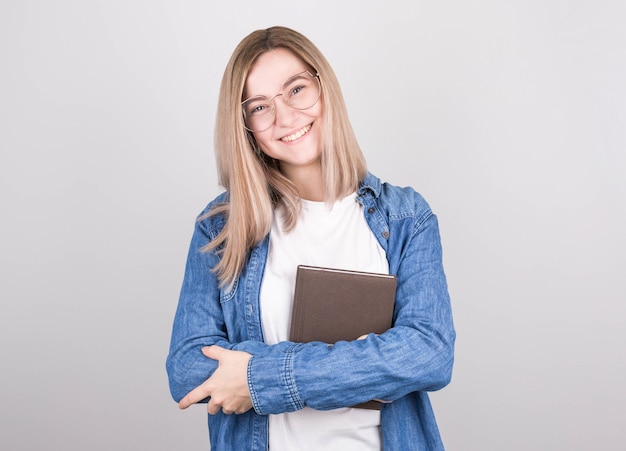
point(363, 337)
point(195, 396)
point(213, 407)
point(202, 391)
point(213, 352)
point(227, 387)
point(228, 407)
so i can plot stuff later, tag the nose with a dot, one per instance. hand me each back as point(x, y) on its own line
point(283, 113)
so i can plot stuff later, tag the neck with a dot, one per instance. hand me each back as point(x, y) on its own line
point(309, 182)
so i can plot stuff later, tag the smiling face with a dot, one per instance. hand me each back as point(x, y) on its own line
point(294, 138)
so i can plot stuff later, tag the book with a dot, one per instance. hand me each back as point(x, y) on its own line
point(332, 304)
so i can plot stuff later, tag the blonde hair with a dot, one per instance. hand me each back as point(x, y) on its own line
point(253, 181)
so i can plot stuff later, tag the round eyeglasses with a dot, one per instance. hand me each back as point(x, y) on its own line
point(300, 92)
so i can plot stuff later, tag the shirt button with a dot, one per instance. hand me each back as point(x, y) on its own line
point(385, 234)
point(371, 210)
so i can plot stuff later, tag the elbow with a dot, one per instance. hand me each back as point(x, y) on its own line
point(176, 392)
point(443, 377)
point(177, 389)
point(185, 373)
point(442, 369)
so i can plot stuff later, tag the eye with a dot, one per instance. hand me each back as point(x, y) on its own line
point(295, 90)
point(256, 107)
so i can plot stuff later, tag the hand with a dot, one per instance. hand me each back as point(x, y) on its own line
point(227, 387)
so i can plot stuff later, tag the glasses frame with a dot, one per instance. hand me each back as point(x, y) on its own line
point(315, 76)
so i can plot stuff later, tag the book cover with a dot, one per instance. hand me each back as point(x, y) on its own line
point(334, 304)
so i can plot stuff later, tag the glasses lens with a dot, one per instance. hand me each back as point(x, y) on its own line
point(258, 113)
point(300, 92)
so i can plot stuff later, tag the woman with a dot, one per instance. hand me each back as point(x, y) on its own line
point(298, 192)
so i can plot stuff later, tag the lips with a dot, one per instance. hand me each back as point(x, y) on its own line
point(299, 134)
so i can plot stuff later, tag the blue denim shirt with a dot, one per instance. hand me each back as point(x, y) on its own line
point(413, 357)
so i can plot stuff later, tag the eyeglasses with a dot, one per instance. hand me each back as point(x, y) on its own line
point(300, 92)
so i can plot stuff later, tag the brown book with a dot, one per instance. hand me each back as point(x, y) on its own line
point(334, 304)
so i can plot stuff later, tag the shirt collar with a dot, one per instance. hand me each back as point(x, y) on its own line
point(370, 183)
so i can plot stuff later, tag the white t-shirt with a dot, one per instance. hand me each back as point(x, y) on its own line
point(335, 237)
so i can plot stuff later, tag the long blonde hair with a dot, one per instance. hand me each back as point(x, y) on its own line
point(253, 181)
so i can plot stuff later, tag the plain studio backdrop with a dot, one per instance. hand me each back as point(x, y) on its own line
point(509, 117)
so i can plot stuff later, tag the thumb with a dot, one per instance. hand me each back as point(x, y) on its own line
point(213, 352)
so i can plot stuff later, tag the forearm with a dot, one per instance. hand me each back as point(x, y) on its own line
point(387, 366)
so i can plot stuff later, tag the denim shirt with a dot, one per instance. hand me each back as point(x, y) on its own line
point(401, 365)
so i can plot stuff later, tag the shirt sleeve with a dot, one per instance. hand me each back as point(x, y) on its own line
point(199, 320)
point(195, 323)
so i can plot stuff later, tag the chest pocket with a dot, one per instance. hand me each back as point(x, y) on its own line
point(227, 294)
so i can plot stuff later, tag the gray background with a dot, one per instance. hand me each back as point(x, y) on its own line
point(509, 117)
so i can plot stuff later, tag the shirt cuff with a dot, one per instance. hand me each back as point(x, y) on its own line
point(271, 380)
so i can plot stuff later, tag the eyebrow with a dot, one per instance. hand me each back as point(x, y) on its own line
point(297, 76)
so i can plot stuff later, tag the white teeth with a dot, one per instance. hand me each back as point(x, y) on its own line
point(297, 135)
